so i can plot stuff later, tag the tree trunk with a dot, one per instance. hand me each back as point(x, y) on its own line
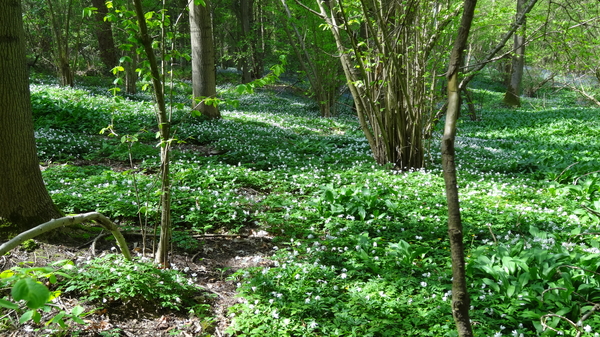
point(257, 41)
point(164, 126)
point(513, 91)
point(131, 75)
point(322, 70)
point(470, 103)
point(460, 295)
point(491, 56)
point(245, 17)
point(61, 48)
point(103, 30)
point(24, 200)
point(204, 81)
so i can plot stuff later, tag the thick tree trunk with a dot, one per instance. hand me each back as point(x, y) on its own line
point(24, 200)
point(513, 91)
point(460, 295)
point(387, 81)
point(204, 81)
point(106, 42)
point(64, 71)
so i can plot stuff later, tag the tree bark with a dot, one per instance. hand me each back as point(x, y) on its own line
point(460, 295)
point(257, 40)
point(24, 200)
point(513, 91)
point(204, 82)
point(245, 18)
point(106, 42)
point(131, 75)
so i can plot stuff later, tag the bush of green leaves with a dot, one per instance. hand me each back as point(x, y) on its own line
point(112, 278)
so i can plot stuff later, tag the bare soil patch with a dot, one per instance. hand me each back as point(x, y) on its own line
point(218, 258)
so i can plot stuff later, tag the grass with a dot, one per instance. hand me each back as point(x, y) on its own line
point(361, 250)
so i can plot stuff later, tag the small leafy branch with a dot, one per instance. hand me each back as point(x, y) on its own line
point(26, 286)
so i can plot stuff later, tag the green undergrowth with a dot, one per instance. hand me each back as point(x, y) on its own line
point(360, 250)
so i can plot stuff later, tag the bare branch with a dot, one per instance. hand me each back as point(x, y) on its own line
point(68, 221)
point(518, 22)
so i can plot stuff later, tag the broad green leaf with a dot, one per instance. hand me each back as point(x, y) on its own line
point(7, 304)
point(78, 320)
point(117, 69)
point(54, 294)
point(51, 278)
point(7, 273)
point(509, 264)
point(26, 316)
point(362, 212)
point(492, 284)
point(524, 279)
point(88, 11)
point(37, 317)
point(240, 89)
point(58, 319)
point(33, 293)
point(329, 196)
point(510, 290)
point(77, 310)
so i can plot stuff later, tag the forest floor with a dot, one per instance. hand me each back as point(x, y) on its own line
point(358, 244)
point(218, 257)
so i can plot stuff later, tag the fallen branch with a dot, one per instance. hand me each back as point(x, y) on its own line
point(583, 93)
point(568, 167)
point(588, 314)
point(220, 236)
point(587, 174)
point(93, 246)
point(590, 210)
point(546, 326)
point(68, 221)
point(197, 236)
